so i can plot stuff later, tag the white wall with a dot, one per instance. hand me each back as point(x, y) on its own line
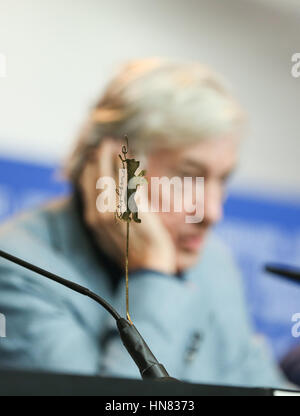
point(60, 53)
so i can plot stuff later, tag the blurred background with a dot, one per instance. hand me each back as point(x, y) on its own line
point(59, 54)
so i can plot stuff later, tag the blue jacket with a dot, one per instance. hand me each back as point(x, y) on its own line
point(197, 325)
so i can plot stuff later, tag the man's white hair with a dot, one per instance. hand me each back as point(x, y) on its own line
point(158, 101)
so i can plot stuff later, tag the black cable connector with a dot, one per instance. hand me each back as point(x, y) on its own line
point(140, 352)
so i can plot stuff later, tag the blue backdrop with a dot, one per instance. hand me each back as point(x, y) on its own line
point(258, 229)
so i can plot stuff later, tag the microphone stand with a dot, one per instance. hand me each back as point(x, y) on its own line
point(136, 346)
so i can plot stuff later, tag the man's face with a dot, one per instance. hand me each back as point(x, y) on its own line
point(212, 159)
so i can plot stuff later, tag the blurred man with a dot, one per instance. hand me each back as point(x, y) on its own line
point(185, 291)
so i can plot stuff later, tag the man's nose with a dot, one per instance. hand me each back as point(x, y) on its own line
point(213, 202)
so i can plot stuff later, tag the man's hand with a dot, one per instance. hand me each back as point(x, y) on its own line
point(150, 244)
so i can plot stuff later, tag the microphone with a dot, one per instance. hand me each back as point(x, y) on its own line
point(136, 346)
point(288, 272)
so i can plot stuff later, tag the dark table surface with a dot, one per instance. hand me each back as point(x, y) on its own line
point(43, 384)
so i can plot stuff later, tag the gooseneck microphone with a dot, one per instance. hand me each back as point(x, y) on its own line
point(284, 271)
point(136, 346)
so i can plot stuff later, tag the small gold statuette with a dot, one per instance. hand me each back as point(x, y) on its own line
point(131, 209)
